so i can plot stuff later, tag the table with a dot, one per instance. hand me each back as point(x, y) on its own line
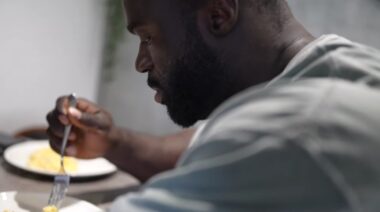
point(100, 191)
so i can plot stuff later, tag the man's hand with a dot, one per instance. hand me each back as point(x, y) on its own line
point(94, 135)
point(91, 131)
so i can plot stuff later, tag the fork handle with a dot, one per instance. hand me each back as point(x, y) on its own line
point(72, 103)
point(65, 139)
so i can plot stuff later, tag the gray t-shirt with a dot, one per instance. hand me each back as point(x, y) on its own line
point(307, 141)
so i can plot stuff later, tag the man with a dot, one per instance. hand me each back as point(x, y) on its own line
point(293, 120)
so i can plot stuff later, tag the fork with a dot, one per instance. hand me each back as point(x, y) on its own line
point(62, 179)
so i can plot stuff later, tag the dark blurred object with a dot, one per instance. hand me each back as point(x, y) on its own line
point(34, 133)
point(29, 133)
point(7, 140)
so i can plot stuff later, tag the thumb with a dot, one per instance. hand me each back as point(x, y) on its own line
point(88, 120)
point(75, 113)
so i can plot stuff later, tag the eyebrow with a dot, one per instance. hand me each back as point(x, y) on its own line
point(132, 25)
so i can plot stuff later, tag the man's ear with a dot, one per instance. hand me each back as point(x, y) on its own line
point(221, 16)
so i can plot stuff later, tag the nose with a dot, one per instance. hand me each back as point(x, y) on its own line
point(144, 61)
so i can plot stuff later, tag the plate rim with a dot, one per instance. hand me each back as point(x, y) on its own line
point(15, 192)
point(7, 158)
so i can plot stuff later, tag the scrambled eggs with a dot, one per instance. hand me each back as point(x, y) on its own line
point(50, 208)
point(47, 160)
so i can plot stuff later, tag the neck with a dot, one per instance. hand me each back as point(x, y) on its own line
point(253, 62)
point(294, 39)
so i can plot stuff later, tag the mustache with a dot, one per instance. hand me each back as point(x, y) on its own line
point(152, 82)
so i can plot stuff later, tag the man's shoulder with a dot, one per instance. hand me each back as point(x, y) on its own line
point(287, 110)
point(254, 112)
point(334, 56)
point(283, 100)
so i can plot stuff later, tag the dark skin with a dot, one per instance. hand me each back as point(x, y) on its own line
point(95, 135)
point(254, 44)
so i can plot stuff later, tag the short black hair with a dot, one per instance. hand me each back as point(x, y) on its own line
point(259, 5)
point(191, 5)
point(275, 8)
point(262, 5)
point(268, 3)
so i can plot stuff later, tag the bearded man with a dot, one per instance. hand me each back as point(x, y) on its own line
point(292, 121)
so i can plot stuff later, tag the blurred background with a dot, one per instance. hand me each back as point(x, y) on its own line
point(49, 48)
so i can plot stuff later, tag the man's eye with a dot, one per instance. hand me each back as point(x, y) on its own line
point(147, 40)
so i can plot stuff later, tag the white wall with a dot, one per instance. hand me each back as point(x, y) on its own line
point(47, 48)
point(358, 20)
point(131, 101)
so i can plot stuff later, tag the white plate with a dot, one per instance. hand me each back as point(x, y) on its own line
point(34, 202)
point(18, 156)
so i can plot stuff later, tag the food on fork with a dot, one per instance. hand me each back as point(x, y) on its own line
point(50, 208)
point(46, 159)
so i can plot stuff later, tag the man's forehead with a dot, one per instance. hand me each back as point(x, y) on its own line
point(136, 7)
point(139, 6)
point(136, 12)
point(139, 12)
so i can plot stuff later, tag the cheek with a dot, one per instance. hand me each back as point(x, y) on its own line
point(161, 60)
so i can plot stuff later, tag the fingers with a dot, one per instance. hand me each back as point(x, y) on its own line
point(56, 142)
point(60, 116)
point(89, 121)
point(85, 105)
point(87, 115)
point(61, 104)
point(55, 125)
point(57, 119)
point(57, 136)
point(100, 120)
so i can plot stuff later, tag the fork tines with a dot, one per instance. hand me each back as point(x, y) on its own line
point(61, 184)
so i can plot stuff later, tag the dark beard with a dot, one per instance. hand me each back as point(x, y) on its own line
point(196, 83)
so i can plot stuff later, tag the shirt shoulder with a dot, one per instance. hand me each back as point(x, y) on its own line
point(332, 56)
point(287, 111)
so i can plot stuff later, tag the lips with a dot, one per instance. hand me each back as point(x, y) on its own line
point(155, 85)
point(158, 96)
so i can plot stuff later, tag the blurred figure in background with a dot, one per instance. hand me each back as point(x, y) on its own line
point(292, 120)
